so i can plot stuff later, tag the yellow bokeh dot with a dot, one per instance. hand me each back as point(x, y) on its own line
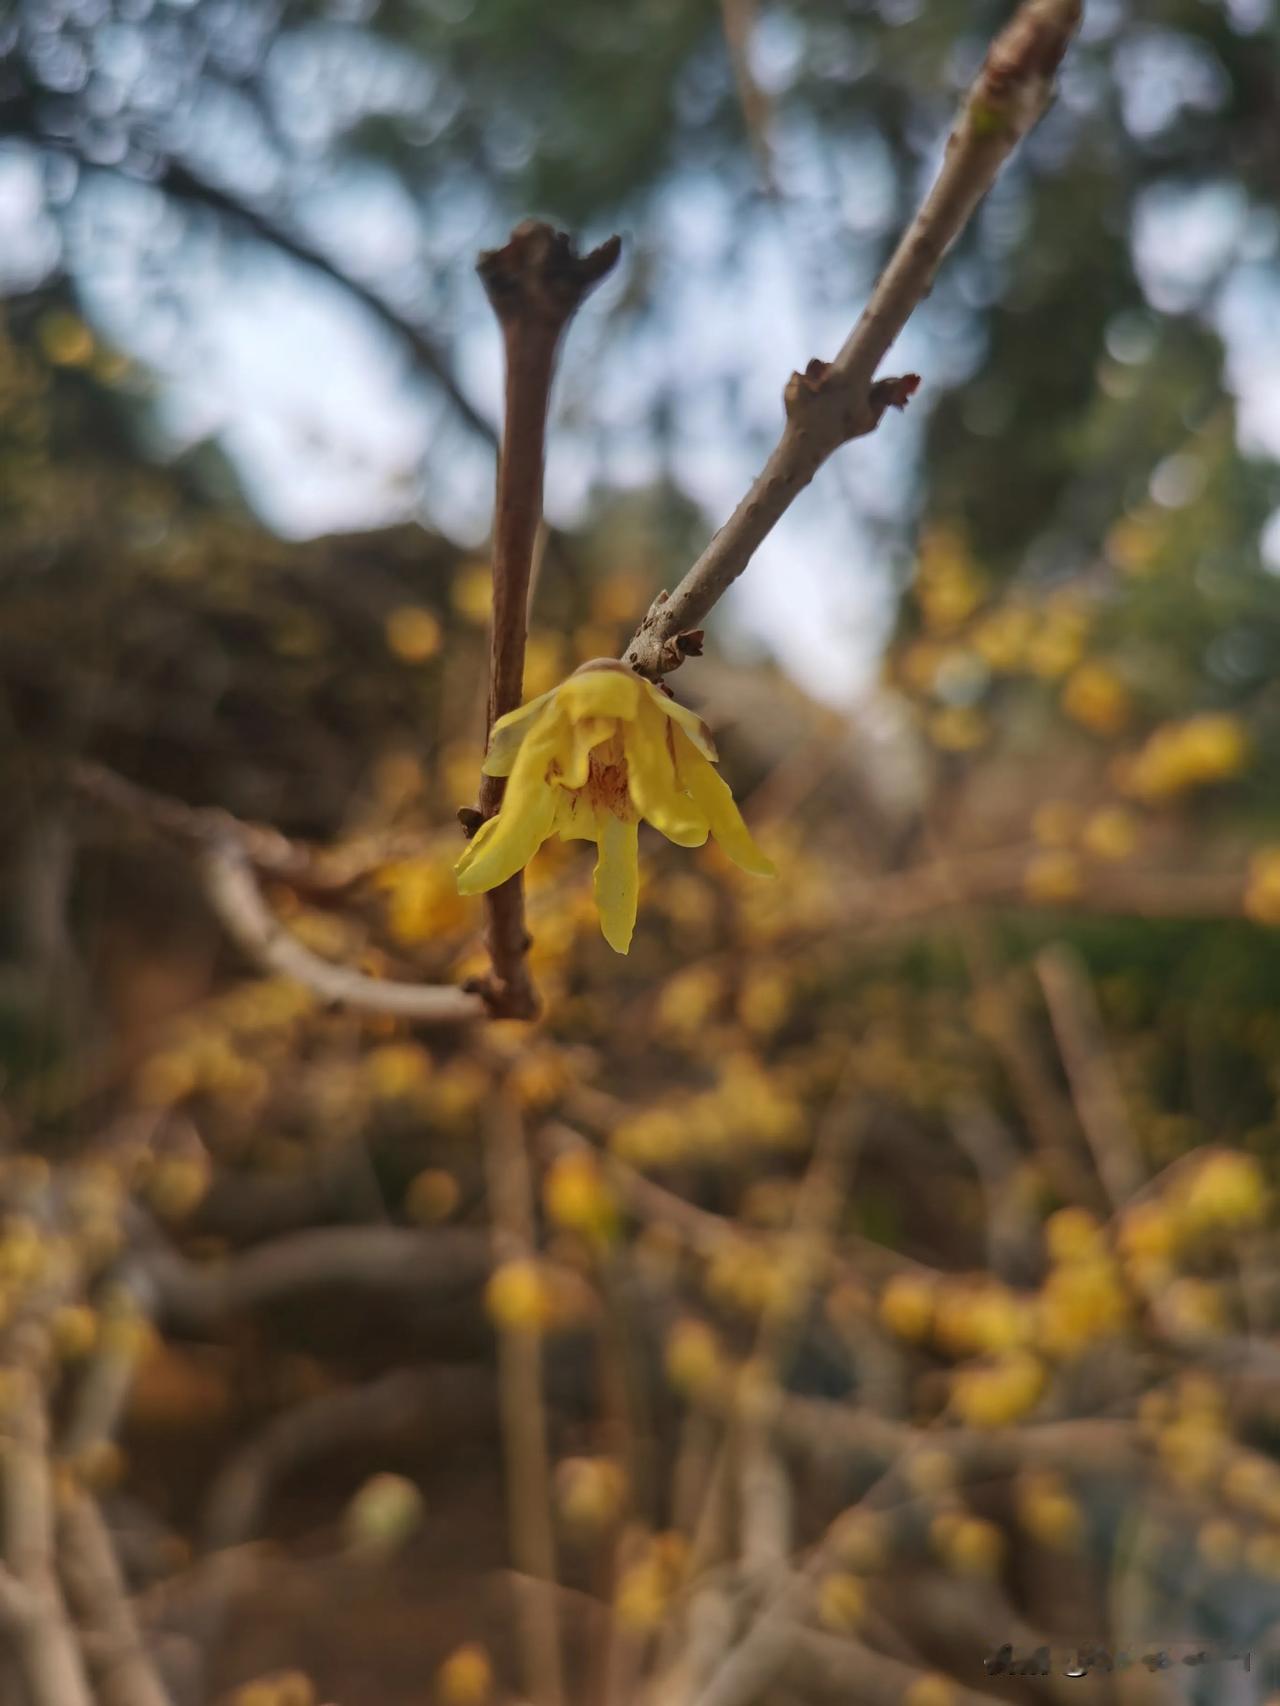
point(432, 1196)
point(466, 1676)
point(1096, 698)
point(472, 593)
point(519, 1298)
point(841, 1601)
point(414, 633)
point(1111, 833)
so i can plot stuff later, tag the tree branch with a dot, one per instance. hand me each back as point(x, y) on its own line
point(439, 1266)
point(829, 404)
point(535, 284)
point(124, 1671)
point(32, 1612)
point(235, 896)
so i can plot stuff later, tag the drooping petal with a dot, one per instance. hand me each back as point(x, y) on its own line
point(507, 734)
point(575, 761)
point(600, 693)
point(575, 817)
point(710, 793)
point(527, 814)
point(655, 790)
point(514, 839)
point(617, 880)
point(684, 718)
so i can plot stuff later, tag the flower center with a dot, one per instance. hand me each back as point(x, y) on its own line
point(607, 778)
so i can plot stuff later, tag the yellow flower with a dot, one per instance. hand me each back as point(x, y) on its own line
point(587, 761)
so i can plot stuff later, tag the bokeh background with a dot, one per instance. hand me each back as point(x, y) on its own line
point(875, 1267)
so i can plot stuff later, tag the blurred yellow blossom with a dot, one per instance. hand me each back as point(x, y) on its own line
point(968, 1545)
point(1001, 639)
point(414, 633)
point(948, 585)
point(906, 1305)
point(998, 1393)
point(1209, 747)
point(1226, 1190)
point(1111, 833)
point(930, 1690)
point(1096, 698)
point(1262, 891)
point(958, 728)
point(694, 1360)
point(432, 1196)
point(578, 1197)
point(1052, 877)
point(1048, 1512)
point(519, 1297)
point(466, 1677)
point(472, 593)
point(590, 1492)
point(841, 1601)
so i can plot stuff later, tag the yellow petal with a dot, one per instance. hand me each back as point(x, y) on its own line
point(711, 795)
point(516, 837)
point(652, 783)
point(600, 693)
point(617, 880)
point(575, 817)
point(507, 734)
point(484, 834)
point(527, 814)
point(684, 718)
point(575, 755)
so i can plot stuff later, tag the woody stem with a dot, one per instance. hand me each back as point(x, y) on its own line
point(534, 284)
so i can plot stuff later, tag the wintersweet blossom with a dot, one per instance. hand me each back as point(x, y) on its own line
point(587, 761)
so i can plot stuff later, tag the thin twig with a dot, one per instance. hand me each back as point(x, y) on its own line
point(1077, 1024)
point(829, 404)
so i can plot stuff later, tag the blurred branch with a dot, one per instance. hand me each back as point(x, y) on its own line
point(122, 1667)
point(439, 1266)
point(836, 1668)
point(1077, 1024)
point(524, 1409)
point(535, 284)
point(385, 1409)
point(235, 896)
point(831, 403)
point(230, 851)
point(998, 876)
point(181, 183)
point(738, 19)
point(33, 1614)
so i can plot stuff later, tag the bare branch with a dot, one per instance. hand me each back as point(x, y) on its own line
point(441, 1265)
point(535, 284)
point(1077, 1024)
point(235, 896)
point(386, 1409)
point(31, 1603)
point(829, 404)
point(124, 1672)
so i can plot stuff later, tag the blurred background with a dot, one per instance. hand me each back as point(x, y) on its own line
point(878, 1266)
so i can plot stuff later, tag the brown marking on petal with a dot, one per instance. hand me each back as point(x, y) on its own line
point(607, 779)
